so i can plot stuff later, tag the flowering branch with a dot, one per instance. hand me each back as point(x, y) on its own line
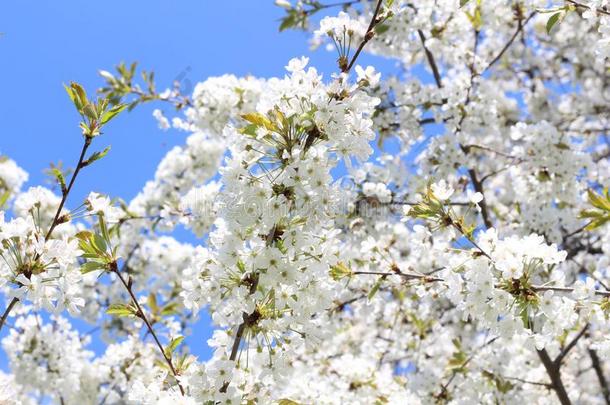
point(370, 33)
point(431, 60)
point(94, 114)
point(142, 315)
point(599, 9)
point(520, 26)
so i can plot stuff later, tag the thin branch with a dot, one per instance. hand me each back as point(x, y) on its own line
point(547, 385)
point(575, 232)
point(599, 10)
point(403, 275)
point(535, 288)
point(142, 316)
point(431, 60)
point(7, 311)
point(239, 334)
point(370, 33)
point(65, 193)
point(601, 293)
point(520, 27)
point(445, 386)
point(478, 187)
point(564, 352)
point(56, 218)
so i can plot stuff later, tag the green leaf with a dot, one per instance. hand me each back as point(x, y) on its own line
point(286, 401)
point(59, 176)
point(552, 21)
point(152, 302)
point(173, 345)
point(562, 146)
point(381, 28)
point(99, 243)
point(88, 267)
point(113, 112)
point(4, 198)
point(457, 362)
point(475, 19)
point(597, 223)
point(340, 271)
point(104, 229)
point(590, 214)
point(375, 288)
point(79, 91)
point(77, 95)
point(288, 22)
point(170, 309)
point(600, 215)
point(241, 266)
point(120, 310)
point(84, 235)
point(598, 201)
point(260, 120)
point(96, 156)
point(463, 2)
point(90, 111)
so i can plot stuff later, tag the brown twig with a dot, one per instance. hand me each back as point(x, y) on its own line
point(239, 334)
point(431, 60)
point(7, 311)
point(65, 192)
point(520, 27)
point(599, 10)
point(142, 316)
point(478, 187)
point(370, 33)
point(564, 352)
point(406, 276)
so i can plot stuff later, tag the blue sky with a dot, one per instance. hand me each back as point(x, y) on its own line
point(47, 43)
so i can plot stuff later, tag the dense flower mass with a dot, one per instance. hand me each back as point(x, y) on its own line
point(439, 234)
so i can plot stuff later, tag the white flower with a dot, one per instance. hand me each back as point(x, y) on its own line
point(297, 64)
point(11, 175)
point(100, 204)
point(442, 190)
point(162, 121)
point(368, 76)
point(283, 3)
point(476, 198)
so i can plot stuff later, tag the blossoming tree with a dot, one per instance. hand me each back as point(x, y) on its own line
point(416, 238)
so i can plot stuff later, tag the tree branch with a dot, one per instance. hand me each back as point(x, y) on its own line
point(239, 334)
point(142, 316)
point(431, 60)
point(564, 352)
point(370, 33)
point(478, 187)
point(599, 10)
point(599, 371)
point(65, 193)
point(56, 219)
point(553, 371)
point(7, 311)
point(520, 27)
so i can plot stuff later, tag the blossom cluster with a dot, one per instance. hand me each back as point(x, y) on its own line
point(437, 234)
